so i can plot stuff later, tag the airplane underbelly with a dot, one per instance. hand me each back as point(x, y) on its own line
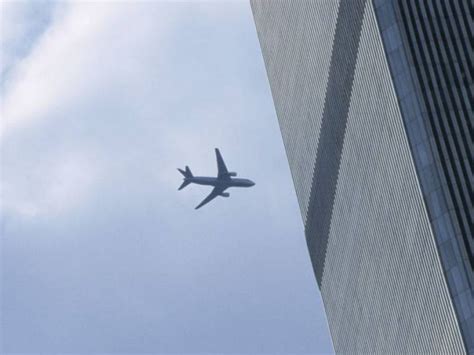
point(205, 182)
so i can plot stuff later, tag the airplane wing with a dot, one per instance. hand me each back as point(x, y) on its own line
point(221, 168)
point(214, 193)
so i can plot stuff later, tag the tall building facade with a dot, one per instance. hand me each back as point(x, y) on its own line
point(374, 101)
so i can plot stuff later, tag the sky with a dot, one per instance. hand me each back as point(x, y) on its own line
point(100, 103)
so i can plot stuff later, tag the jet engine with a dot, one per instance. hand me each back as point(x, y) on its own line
point(232, 174)
point(225, 194)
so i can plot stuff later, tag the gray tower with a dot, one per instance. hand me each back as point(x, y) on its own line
point(374, 102)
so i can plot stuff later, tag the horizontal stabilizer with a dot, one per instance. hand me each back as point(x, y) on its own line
point(184, 184)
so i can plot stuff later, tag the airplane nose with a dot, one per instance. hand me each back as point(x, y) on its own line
point(252, 183)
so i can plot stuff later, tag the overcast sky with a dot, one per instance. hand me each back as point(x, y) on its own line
point(100, 103)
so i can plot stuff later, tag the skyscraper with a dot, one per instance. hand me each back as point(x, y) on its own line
point(374, 102)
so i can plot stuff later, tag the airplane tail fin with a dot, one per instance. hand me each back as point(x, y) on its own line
point(187, 174)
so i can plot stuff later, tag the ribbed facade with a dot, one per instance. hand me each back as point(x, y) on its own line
point(299, 79)
point(347, 98)
point(428, 45)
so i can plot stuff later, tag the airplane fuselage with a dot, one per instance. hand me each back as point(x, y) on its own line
point(223, 183)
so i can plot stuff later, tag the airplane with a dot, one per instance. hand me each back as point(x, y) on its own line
point(221, 183)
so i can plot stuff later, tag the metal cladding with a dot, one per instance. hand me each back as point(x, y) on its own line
point(333, 126)
point(382, 186)
point(426, 46)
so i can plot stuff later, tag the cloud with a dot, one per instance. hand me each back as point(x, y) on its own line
point(63, 185)
point(22, 23)
point(83, 59)
point(128, 90)
point(100, 251)
point(86, 48)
